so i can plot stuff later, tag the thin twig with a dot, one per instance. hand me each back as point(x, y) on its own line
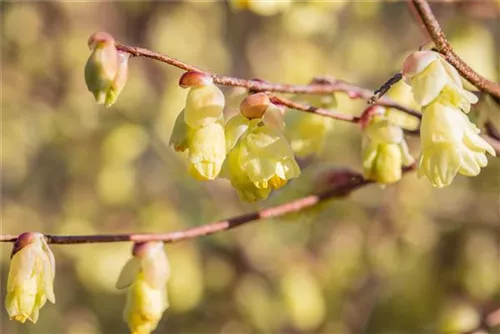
point(443, 46)
point(385, 87)
point(345, 182)
point(311, 109)
point(324, 87)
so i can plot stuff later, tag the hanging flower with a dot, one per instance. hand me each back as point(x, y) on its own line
point(199, 127)
point(384, 150)
point(431, 78)
point(450, 142)
point(31, 278)
point(260, 158)
point(145, 276)
point(106, 70)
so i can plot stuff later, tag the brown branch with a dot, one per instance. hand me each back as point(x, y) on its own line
point(318, 111)
point(343, 183)
point(443, 46)
point(322, 87)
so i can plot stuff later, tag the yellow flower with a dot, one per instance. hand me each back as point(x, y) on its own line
point(199, 127)
point(106, 69)
point(145, 276)
point(431, 78)
point(384, 151)
point(30, 279)
point(207, 151)
point(450, 144)
point(260, 159)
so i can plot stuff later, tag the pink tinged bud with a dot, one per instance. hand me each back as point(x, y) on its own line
point(100, 38)
point(195, 79)
point(24, 239)
point(255, 105)
point(106, 69)
point(417, 62)
point(150, 259)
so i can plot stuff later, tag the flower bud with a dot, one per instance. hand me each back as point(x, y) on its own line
point(255, 105)
point(119, 80)
point(195, 79)
point(31, 277)
point(106, 69)
point(145, 276)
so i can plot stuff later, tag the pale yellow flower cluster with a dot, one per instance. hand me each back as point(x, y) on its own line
point(250, 149)
point(450, 142)
point(260, 158)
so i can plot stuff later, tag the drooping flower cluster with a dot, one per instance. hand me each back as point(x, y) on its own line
point(199, 128)
point(260, 158)
point(31, 278)
point(250, 150)
point(384, 150)
point(450, 142)
point(145, 277)
point(106, 70)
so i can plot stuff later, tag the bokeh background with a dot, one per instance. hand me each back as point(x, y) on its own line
point(404, 259)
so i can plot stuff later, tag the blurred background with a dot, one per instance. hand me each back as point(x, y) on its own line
point(405, 259)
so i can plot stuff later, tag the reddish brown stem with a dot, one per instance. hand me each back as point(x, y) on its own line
point(443, 46)
point(345, 182)
point(324, 87)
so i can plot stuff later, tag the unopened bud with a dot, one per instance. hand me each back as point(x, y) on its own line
point(106, 70)
point(24, 239)
point(195, 79)
point(100, 38)
point(255, 105)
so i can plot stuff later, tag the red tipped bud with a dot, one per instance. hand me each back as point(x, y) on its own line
point(24, 239)
point(195, 79)
point(100, 37)
point(255, 105)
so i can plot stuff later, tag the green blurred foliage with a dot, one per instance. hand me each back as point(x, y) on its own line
point(406, 258)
